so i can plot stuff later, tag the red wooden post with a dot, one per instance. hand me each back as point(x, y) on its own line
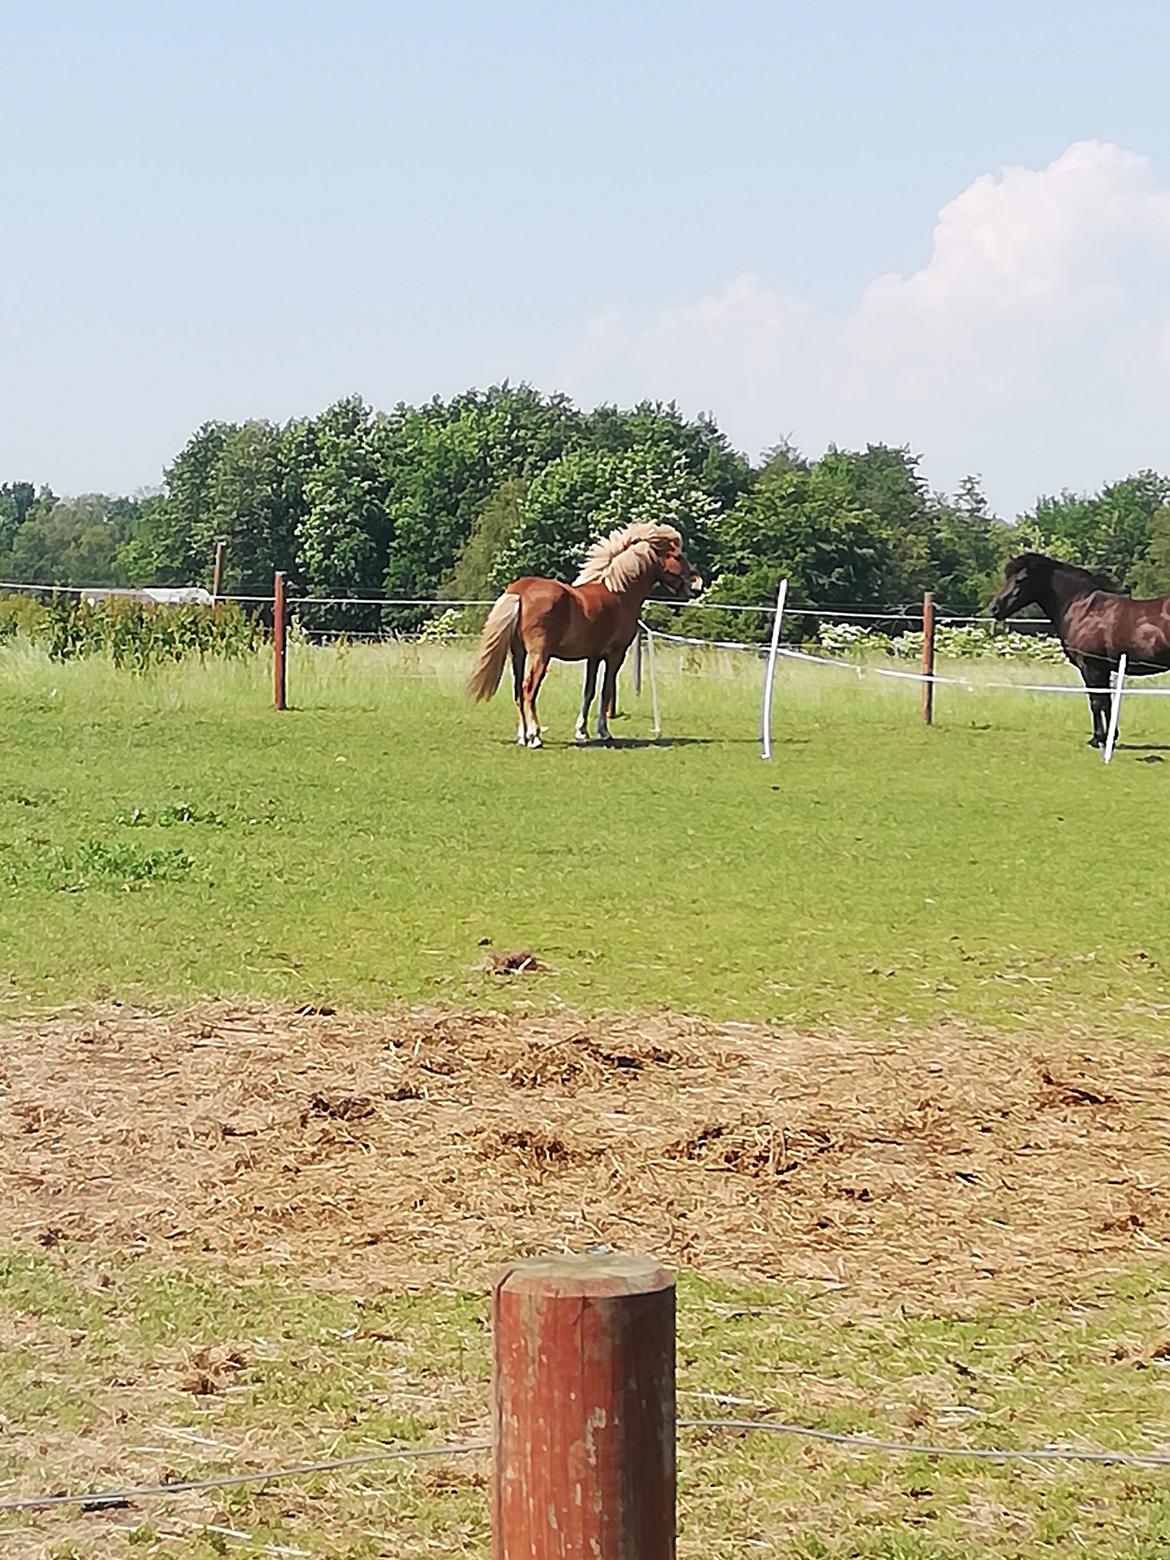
point(583, 1410)
point(279, 643)
point(928, 657)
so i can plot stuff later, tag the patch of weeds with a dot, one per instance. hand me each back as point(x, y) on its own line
point(28, 799)
point(93, 864)
point(168, 817)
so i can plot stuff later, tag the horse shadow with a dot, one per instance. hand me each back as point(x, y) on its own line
point(665, 742)
point(634, 744)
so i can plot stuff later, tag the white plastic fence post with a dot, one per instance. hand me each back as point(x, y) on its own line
point(770, 673)
point(1115, 709)
point(657, 728)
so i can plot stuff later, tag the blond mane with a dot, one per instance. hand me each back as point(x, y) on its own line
point(623, 557)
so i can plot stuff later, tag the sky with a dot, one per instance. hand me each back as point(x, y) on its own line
point(943, 225)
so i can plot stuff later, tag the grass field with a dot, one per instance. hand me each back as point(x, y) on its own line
point(173, 837)
point(867, 1041)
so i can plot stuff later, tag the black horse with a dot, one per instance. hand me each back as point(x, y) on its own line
point(1097, 622)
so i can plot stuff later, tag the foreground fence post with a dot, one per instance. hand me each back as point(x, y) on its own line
point(279, 643)
point(928, 657)
point(583, 1411)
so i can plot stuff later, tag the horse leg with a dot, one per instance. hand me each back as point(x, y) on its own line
point(1096, 680)
point(519, 655)
point(592, 667)
point(608, 696)
point(532, 681)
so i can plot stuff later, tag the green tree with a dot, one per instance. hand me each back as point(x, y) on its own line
point(805, 524)
point(18, 500)
point(74, 541)
point(1111, 531)
point(448, 460)
point(175, 541)
point(442, 477)
point(343, 532)
point(1151, 577)
point(655, 425)
point(472, 577)
point(587, 493)
point(968, 547)
point(885, 482)
point(250, 507)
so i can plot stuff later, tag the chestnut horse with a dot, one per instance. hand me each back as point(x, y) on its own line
point(1097, 624)
point(593, 620)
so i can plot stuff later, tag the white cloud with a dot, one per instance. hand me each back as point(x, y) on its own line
point(1033, 345)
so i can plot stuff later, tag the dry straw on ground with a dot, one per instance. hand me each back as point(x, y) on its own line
point(384, 1149)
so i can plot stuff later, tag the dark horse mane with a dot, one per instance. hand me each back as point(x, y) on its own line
point(1093, 579)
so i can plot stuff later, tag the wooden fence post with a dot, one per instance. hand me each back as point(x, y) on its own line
point(583, 1413)
point(928, 657)
point(279, 643)
point(217, 570)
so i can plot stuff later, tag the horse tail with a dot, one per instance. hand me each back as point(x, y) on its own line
point(494, 644)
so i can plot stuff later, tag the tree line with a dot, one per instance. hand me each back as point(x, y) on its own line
point(451, 499)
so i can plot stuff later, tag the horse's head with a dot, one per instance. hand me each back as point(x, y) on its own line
point(676, 573)
point(1024, 580)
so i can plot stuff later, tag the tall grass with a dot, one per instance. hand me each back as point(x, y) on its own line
point(695, 684)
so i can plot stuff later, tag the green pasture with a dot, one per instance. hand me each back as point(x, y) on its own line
point(168, 836)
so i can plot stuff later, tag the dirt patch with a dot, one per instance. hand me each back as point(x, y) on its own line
point(519, 961)
point(378, 1150)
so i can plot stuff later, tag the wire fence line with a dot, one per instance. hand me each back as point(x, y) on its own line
point(859, 669)
point(841, 613)
point(121, 1497)
point(860, 613)
point(104, 1499)
point(869, 1443)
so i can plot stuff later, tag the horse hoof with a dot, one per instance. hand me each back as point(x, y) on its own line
point(535, 742)
point(581, 738)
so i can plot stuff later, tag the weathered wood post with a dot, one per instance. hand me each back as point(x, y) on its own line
point(279, 643)
point(928, 657)
point(217, 571)
point(583, 1412)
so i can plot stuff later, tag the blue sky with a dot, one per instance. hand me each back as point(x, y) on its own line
point(946, 225)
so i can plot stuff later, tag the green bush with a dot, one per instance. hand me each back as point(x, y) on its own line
point(134, 634)
point(19, 615)
point(964, 642)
